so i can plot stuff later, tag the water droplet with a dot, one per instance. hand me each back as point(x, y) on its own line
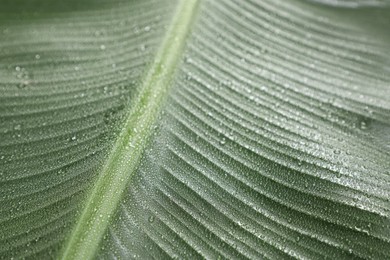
point(188, 76)
point(147, 28)
point(363, 125)
point(336, 151)
point(188, 59)
point(23, 75)
point(37, 56)
point(23, 84)
point(102, 47)
point(73, 138)
point(151, 219)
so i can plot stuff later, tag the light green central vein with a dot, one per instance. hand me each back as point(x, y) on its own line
point(124, 159)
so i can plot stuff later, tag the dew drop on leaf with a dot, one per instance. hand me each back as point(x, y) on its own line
point(142, 47)
point(188, 59)
point(23, 84)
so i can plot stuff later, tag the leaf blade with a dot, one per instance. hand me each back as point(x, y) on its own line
point(273, 142)
point(116, 174)
point(247, 164)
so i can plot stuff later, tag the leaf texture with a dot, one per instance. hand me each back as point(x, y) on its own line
point(273, 142)
point(68, 75)
point(267, 147)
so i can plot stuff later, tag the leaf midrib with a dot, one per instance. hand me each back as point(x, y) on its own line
point(124, 158)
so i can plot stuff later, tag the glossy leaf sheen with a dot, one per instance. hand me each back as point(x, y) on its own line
point(260, 129)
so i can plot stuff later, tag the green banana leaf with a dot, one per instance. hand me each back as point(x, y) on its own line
point(194, 129)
